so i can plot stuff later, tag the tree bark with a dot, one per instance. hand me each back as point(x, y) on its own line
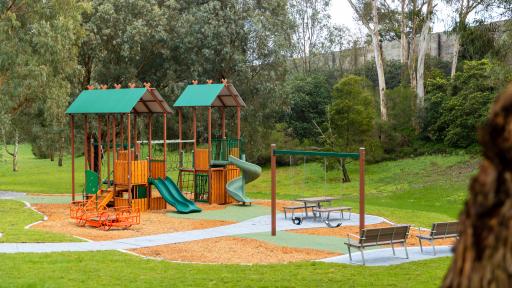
point(379, 62)
point(14, 153)
point(483, 253)
point(455, 56)
point(412, 49)
point(404, 42)
point(377, 51)
point(420, 74)
point(346, 177)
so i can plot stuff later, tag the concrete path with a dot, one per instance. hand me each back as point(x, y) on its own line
point(384, 257)
point(255, 225)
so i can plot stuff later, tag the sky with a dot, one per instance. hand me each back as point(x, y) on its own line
point(342, 13)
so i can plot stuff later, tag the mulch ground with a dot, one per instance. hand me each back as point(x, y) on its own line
point(344, 230)
point(152, 222)
point(232, 250)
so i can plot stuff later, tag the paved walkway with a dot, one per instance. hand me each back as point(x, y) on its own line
point(255, 225)
point(384, 257)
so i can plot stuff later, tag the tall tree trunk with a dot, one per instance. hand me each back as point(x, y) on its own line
point(14, 153)
point(346, 177)
point(483, 253)
point(424, 41)
point(404, 42)
point(455, 56)
point(61, 150)
point(379, 62)
point(412, 49)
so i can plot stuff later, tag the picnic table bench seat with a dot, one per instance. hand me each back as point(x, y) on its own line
point(297, 207)
point(439, 230)
point(377, 237)
point(320, 210)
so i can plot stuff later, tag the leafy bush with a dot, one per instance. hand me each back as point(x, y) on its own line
point(399, 130)
point(309, 96)
point(392, 73)
point(455, 109)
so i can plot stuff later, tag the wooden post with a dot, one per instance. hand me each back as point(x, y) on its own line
point(180, 131)
point(165, 143)
point(150, 139)
point(150, 136)
point(129, 120)
point(108, 150)
point(238, 117)
point(135, 126)
point(362, 153)
point(86, 142)
point(72, 123)
point(223, 111)
point(209, 155)
point(194, 127)
point(122, 131)
point(91, 152)
point(273, 187)
point(99, 150)
point(114, 136)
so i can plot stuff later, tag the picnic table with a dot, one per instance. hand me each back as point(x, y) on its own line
point(316, 200)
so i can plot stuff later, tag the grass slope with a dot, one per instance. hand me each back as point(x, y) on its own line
point(40, 175)
point(15, 216)
point(418, 190)
point(115, 269)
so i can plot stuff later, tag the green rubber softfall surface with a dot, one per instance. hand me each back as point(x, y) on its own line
point(296, 240)
point(231, 213)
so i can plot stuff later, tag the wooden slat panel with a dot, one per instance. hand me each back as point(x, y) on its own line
point(157, 169)
point(201, 159)
point(123, 155)
point(139, 172)
point(218, 194)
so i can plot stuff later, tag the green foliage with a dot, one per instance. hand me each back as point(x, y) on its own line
point(309, 96)
point(478, 41)
point(456, 109)
point(399, 130)
point(392, 73)
point(351, 113)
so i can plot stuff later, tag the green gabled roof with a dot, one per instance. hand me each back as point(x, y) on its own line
point(140, 100)
point(209, 95)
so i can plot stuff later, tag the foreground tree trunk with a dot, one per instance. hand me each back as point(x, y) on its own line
point(483, 254)
point(424, 40)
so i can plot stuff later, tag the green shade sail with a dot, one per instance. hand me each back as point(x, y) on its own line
point(127, 100)
point(210, 95)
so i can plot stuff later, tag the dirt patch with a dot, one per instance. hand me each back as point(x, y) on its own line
point(279, 204)
point(152, 222)
point(342, 232)
point(228, 250)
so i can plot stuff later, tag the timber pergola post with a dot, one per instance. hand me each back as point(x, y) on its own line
point(273, 175)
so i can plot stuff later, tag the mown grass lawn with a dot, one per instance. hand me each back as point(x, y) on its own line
point(39, 175)
point(116, 269)
point(14, 216)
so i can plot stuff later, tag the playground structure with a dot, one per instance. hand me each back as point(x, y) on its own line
point(213, 173)
point(343, 155)
point(217, 163)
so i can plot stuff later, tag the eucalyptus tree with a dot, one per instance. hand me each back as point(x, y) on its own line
point(368, 14)
point(37, 66)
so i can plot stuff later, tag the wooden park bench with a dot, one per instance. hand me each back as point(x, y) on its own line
point(327, 210)
point(440, 230)
point(298, 207)
point(379, 236)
